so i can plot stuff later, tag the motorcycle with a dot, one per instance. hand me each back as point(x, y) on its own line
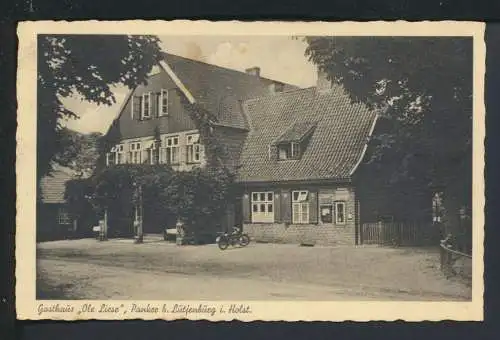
point(233, 239)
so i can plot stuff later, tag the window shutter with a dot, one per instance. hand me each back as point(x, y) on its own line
point(313, 207)
point(202, 152)
point(286, 206)
point(277, 207)
point(136, 107)
point(172, 96)
point(245, 201)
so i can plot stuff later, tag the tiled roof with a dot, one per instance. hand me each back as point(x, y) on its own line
point(296, 132)
point(53, 186)
point(335, 145)
point(220, 90)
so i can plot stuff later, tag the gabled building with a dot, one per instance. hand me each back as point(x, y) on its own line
point(298, 162)
point(53, 218)
point(295, 151)
point(156, 110)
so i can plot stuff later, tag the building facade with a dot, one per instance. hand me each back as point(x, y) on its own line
point(294, 151)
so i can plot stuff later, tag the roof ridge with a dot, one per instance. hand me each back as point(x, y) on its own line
point(166, 54)
point(279, 94)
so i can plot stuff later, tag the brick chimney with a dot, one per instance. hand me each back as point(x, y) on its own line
point(254, 71)
point(323, 85)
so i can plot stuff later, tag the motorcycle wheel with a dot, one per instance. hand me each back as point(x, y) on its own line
point(223, 243)
point(244, 240)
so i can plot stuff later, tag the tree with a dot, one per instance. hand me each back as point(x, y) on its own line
point(77, 151)
point(199, 197)
point(422, 87)
point(88, 66)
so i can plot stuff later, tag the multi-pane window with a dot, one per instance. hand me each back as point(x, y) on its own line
point(111, 157)
point(163, 107)
point(289, 151)
point(135, 155)
point(151, 153)
point(193, 148)
point(146, 105)
point(170, 150)
point(119, 154)
point(340, 212)
point(284, 151)
point(63, 216)
point(300, 207)
point(263, 207)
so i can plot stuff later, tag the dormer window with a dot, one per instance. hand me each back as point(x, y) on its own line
point(289, 151)
point(293, 142)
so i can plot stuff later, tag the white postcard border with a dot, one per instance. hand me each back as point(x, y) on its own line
point(29, 308)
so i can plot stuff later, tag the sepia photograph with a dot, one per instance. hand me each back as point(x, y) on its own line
point(202, 168)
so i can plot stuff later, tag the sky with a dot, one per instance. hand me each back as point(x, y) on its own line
point(280, 58)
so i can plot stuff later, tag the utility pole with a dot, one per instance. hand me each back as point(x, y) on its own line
point(106, 224)
point(139, 217)
point(103, 230)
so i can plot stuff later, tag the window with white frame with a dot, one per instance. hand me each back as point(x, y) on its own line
point(146, 105)
point(340, 212)
point(170, 150)
point(119, 154)
point(151, 152)
point(135, 155)
point(193, 148)
point(295, 150)
point(111, 157)
point(63, 216)
point(300, 207)
point(263, 207)
point(289, 151)
point(163, 107)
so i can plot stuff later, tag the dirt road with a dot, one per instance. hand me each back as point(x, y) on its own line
point(87, 269)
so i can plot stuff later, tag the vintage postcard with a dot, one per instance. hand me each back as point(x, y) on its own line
point(250, 171)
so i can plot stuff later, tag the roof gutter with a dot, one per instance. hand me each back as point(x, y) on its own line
point(294, 181)
point(365, 147)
